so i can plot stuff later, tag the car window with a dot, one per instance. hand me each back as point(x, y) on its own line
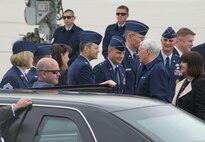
point(165, 123)
point(53, 129)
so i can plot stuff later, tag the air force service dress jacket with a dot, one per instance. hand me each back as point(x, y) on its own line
point(13, 79)
point(174, 74)
point(104, 71)
point(32, 75)
point(131, 67)
point(80, 72)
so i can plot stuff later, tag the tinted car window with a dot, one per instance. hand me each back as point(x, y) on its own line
point(165, 123)
point(53, 129)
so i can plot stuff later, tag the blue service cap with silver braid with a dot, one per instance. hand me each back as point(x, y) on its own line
point(169, 33)
point(136, 26)
point(90, 36)
point(118, 43)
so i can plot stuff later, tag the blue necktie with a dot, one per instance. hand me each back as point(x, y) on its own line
point(134, 57)
point(135, 60)
point(167, 63)
point(117, 74)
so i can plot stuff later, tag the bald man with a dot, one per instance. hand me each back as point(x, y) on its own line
point(48, 73)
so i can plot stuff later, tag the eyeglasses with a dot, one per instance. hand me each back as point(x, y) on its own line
point(68, 17)
point(53, 71)
point(122, 14)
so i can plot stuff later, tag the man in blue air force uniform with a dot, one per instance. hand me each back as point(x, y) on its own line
point(134, 33)
point(111, 68)
point(153, 78)
point(171, 61)
point(80, 72)
point(43, 50)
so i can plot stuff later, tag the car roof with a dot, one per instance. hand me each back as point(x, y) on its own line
point(106, 101)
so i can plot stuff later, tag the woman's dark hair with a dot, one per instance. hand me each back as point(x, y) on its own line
point(59, 49)
point(194, 62)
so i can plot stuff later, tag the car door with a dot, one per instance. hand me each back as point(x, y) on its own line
point(54, 124)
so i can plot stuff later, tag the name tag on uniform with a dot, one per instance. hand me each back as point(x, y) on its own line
point(128, 69)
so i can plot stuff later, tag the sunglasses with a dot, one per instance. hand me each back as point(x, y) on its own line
point(53, 71)
point(122, 14)
point(68, 17)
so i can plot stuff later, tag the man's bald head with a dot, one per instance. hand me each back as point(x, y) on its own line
point(48, 70)
point(47, 64)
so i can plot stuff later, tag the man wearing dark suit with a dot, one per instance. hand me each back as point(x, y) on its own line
point(111, 68)
point(118, 28)
point(171, 61)
point(184, 41)
point(134, 33)
point(80, 72)
point(201, 49)
point(153, 77)
point(68, 34)
point(7, 112)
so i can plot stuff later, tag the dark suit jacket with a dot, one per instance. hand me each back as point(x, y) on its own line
point(201, 49)
point(104, 71)
point(69, 37)
point(80, 72)
point(192, 99)
point(153, 80)
point(5, 113)
point(32, 75)
point(63, 78)
point(131, 72)
point(14, 79)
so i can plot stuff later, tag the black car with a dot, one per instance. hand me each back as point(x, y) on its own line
point(97, 117)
